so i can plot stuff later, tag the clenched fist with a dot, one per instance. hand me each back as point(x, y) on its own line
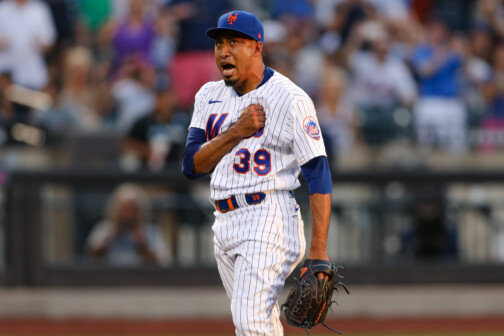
point(251, 120)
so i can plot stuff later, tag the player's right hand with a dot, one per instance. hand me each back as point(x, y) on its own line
point(251, 120)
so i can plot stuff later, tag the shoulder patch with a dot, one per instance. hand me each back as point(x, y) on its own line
point(311, 128)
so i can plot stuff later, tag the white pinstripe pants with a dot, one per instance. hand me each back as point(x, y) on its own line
point(256, 248)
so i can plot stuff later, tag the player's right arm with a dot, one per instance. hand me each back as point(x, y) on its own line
point(251, 120)
point(201, 158)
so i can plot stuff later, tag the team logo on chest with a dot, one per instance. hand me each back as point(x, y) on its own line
point(311, 128)
point(213, 127)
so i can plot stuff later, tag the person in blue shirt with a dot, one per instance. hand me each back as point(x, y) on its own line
point(440, 118)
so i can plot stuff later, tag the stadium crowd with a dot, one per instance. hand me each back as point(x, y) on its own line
point(428, 74)
point(115, 80)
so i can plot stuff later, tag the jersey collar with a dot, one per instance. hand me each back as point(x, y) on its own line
point(268, 73)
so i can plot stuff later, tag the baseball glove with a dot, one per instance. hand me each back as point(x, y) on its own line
point(309, 300)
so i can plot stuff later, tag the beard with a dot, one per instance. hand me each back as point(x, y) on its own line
point(230, 82)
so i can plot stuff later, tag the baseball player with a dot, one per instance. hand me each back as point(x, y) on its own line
point(254, 132)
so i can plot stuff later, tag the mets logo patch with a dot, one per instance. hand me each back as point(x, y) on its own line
point(232, 18)
point(311, 128)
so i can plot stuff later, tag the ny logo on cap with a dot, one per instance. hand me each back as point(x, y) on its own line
point(232, 18)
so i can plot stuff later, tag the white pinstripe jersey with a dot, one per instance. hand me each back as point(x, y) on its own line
point(271, 159)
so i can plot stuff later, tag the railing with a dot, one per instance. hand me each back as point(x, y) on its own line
point(386, 227)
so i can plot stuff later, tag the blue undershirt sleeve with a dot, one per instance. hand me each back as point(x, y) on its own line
point(195, 139)
point(318, 175)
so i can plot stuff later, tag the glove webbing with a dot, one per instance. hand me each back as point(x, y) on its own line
point(304, 306)
point(330, 304)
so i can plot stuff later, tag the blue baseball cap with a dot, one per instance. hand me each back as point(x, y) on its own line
point(239, 21)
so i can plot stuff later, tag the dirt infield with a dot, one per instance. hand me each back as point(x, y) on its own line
point(473, 326)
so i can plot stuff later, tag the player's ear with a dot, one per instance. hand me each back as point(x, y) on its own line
point(258, 49)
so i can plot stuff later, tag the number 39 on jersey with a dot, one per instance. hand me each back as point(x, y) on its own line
point(260, 161)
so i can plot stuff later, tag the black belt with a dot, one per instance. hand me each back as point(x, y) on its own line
point(230, 203)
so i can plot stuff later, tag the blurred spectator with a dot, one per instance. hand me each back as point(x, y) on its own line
point(275, 49)
point(421, 10)
point(78, 106)
point(26, 32)
point(306, 55)
point(94, 30)
point(492, 11)
point(121, 8)
point(133, 37)
point(159, 137)
point(349, 14)
point(165, 41)
point(291, 43)
point(258, 7)
point(126, 237)
point(389, 10)
point(440, 117)
point(276, 52)
point(6, 106)
point(133, 92)
point(457, 15)
point(324, 12)
point(381, 83)
point(94, 13)
point(476, 72)
point(296, 8)
point(194, 64)
point(481, 41)
point(393, 10)
point(65, 15)
point(107, 83)
point(336, 113)
point(493, 124)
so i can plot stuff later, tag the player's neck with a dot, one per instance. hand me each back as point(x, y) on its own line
point(251, 82)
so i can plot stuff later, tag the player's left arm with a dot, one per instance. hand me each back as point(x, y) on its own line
point(308, 148)
point(318, 176)
point(320, 206)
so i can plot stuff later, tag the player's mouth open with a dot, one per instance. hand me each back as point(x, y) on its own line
point(228, 69)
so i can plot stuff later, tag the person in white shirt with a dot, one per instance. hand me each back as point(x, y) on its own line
point(26, 32)
point(379, 78)
point(380, 82)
